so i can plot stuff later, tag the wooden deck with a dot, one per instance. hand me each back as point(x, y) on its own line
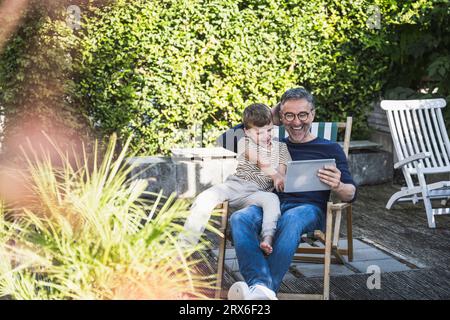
point(401, 232)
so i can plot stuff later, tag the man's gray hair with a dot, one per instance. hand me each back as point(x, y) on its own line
point(297, 94)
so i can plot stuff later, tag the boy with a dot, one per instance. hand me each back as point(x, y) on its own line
point(262, 163)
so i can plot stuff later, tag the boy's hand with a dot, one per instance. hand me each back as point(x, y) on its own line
point(278, 182)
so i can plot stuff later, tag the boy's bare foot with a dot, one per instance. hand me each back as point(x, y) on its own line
point(266, 245)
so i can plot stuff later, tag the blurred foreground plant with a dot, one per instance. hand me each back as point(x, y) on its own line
point(91, 232)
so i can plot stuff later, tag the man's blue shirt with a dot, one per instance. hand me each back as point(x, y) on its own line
point(317, 149)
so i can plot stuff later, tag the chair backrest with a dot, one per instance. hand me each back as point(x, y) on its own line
point(418, 126)
point(326, 130)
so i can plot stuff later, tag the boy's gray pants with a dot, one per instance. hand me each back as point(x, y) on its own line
point(240, 194)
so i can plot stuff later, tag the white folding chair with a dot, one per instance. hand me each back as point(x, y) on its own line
point(423, 148)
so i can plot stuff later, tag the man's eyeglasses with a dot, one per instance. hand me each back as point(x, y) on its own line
point(302, 116)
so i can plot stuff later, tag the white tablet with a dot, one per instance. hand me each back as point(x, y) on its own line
point(301, 176)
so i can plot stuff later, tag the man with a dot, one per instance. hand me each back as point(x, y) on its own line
point(300, 212)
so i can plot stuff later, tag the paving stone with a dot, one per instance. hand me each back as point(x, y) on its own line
point(229, 253)
point(369, 254)
point(238, 276)
point(310, 270)
point(357, 244)
point(361, 251)
point(289, 276)
point(385, 265)
point(232, 264)
point(305, 245)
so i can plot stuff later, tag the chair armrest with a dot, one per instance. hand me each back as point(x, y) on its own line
point(339, 206)
point(415, 157)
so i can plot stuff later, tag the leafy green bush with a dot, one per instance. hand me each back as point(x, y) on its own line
point(157, 68)
point(162, 69)
point(419, 42)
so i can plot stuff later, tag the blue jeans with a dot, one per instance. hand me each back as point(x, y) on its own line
point(296, 219)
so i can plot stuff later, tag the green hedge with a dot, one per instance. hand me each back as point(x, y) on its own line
point(157, 68)
point(420, 53)
point(161, 69)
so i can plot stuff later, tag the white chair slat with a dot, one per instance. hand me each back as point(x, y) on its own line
point(406, 131)
point(433, 138)
point(327, 130)
point(443, 151)
point(413, 134)
point(444, 133)
point(397, 138)
point(433, 170)
point(420, 136)
point(398, 133)
point(276, 132)
point(423, 125)
point(390, 105)
point(405, 143)
point(315, 128)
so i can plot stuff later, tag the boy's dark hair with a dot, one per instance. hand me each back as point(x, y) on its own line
point(257, 115)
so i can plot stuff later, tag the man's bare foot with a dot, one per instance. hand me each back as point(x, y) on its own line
point(266, 245)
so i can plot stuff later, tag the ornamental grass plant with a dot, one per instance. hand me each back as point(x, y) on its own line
point(91, 231)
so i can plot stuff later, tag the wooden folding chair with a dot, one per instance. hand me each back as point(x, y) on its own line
point(327, 130)
point(422, 146)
